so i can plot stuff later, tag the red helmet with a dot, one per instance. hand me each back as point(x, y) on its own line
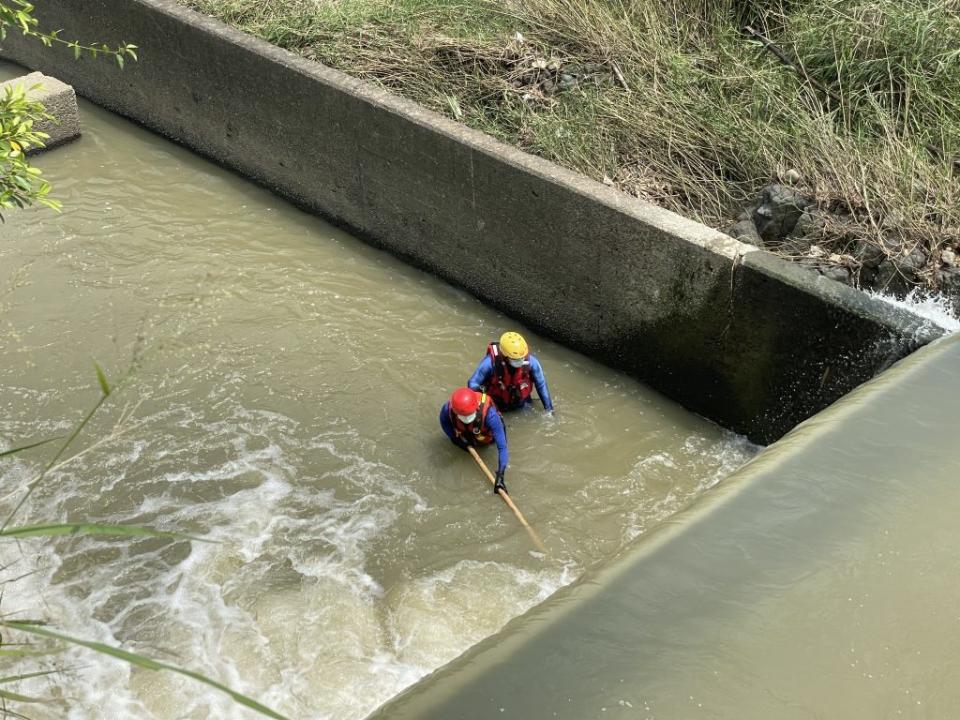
point(463, 401)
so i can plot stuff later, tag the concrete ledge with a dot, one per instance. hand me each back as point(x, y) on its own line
point(726, 330)
point(59, 100)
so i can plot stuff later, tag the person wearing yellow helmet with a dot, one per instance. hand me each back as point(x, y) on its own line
point(508, 373)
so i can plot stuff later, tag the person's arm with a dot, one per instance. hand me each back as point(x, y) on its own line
point(499, 432)
point(481, 376)
point(448, 427)
point(540, 382)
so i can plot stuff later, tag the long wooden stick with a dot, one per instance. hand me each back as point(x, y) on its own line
point(506, 498)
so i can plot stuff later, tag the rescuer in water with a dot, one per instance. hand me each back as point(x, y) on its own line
point(471, 418)
point(508, 373)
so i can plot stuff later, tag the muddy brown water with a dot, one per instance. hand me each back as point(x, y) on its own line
point(283, 401)
point(820, 581)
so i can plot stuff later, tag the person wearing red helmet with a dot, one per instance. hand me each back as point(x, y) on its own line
point(470, 418)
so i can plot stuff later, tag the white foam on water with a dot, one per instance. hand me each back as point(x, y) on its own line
point(287, 607)
point(437, 617)
point(710, 461)
point(281, 609)
point(182, 609)
point(933, 307)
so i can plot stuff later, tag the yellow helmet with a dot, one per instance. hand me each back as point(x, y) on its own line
point(513, 346)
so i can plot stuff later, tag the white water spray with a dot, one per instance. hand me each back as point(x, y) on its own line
point(935, 308)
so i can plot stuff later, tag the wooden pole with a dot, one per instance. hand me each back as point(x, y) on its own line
point(506, 498)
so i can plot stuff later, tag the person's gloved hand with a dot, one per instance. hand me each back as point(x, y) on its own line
point(499, 485)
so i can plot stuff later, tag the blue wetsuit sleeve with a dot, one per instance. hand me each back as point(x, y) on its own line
point(481, 376)
point(495, 425)
point(540, 381)
point(447, 427)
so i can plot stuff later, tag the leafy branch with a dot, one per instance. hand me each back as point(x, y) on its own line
point(19, 14)
point(22, 184)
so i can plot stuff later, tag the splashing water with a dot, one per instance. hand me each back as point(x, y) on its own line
point(930, 306)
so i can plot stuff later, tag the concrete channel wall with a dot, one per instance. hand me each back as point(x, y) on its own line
point(728, 331)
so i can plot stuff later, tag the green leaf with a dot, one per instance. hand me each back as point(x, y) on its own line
point(142, 662)
point(101, 376)
point(56, 529)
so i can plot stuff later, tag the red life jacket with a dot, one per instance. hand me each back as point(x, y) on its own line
point(508, 386)
point(476, 432)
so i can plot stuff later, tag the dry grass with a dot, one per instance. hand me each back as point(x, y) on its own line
point(671, 101)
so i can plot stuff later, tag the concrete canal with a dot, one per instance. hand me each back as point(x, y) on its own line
point(283, 401)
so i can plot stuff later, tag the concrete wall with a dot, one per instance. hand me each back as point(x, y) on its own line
point(59, 100)
point(726, 330)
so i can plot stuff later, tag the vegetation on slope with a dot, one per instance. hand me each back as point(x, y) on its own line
point(695, 105)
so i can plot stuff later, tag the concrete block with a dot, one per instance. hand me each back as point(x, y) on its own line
point(59, 100)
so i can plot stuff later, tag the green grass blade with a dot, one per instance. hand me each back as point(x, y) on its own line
point(17, 697)
point(142, 662)
point(55, 529)
point(25, 652)
point(12, 451)
point(102, 379)
point(26, 676)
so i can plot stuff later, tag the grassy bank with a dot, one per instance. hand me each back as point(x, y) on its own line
point(675, 102)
